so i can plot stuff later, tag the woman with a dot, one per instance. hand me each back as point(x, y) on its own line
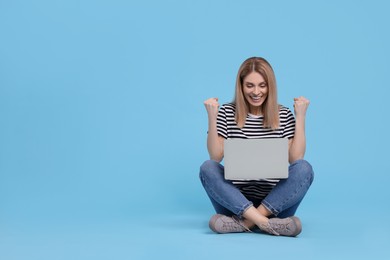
point(267, 204)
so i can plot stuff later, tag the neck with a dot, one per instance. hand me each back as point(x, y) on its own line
point(258, 111)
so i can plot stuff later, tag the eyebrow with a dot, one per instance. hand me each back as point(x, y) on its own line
point(250, 83)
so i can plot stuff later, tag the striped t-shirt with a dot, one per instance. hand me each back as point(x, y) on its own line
point(254, 128)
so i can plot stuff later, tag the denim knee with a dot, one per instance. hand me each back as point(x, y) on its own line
point(208, 168)
point(305, 169)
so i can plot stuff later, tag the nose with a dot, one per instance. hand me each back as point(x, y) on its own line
point(257, 91)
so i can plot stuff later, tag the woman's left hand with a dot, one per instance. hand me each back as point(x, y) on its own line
point(300, 106)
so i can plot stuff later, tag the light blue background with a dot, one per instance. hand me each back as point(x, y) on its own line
point(103, 129)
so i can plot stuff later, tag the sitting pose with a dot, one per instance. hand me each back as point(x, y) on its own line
point(267, 204)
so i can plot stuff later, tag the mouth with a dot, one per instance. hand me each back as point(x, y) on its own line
point(256, 98)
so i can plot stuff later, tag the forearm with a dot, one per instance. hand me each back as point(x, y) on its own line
point(298, 146)
point(214, 146)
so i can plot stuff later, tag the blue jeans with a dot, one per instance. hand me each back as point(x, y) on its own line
point(282, 201)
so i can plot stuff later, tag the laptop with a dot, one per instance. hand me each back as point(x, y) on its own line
point(255, 159)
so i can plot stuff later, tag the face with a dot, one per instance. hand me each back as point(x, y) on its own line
point(255, 91)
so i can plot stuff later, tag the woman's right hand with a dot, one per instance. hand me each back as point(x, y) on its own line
point(212, 106)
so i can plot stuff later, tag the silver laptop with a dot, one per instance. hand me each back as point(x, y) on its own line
point(255, 159)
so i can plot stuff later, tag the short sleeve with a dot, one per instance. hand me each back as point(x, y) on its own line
point(289, 129)
point(222, 123)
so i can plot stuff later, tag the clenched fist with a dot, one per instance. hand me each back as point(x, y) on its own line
point(212, 106)
point(300, 106)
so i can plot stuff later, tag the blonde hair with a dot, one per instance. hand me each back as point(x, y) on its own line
point(270, 106)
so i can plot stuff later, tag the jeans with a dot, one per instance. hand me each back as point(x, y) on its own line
point(282, 201)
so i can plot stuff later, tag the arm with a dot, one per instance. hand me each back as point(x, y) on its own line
point(297, 145)
point(214, 141)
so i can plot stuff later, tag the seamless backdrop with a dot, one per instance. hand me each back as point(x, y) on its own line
point(102, 121)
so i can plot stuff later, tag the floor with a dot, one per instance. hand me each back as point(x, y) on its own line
point(187, 237)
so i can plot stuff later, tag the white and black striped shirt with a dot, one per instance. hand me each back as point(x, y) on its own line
point(254, 128)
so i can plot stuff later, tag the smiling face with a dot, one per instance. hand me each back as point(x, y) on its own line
point(255, 91)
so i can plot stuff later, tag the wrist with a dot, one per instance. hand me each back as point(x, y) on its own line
point(300, 117)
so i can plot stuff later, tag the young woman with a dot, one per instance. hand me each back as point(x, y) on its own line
point(255, 113)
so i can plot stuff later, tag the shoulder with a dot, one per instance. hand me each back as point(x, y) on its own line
point(284, 110)
point(228, 108)
point(285, 114)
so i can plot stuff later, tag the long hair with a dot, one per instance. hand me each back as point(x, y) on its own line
point(270, 106)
